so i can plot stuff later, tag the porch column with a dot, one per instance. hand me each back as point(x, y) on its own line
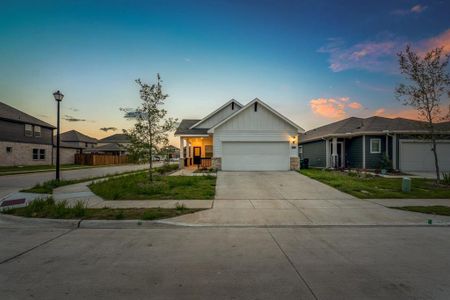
point(387, 145)
point(364, 152)
point(327, 154)
point(181, 161)
point(334, 155)
point(394, 152)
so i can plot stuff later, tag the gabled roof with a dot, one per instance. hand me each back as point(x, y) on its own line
point(115, 138)
point(107, 147)
point(299, 129)
point(76, 136)
point(375, 124)
point(185, 125)
point(215, 112)
point(12, 114)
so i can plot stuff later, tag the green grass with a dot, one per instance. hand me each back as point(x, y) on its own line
point(434, 210)
point(138, 187)
point(48, 208)
point(48, 186)
point(372, 187)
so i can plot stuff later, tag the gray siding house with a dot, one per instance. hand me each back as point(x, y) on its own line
point(73, 142)
point(24, 139)
point(363, 143)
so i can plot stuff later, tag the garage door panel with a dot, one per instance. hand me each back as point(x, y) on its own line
point(255, 156)
point(417, 156)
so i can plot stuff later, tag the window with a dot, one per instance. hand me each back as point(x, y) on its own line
point(41, 153)
point(375, 145)
point(38, 154)
point(8, 149)
point(35, 154)
point(208, 151)
point(300, 149)
point(28, 130)
point(37, 131)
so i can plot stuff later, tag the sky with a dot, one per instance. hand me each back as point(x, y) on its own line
point(315, 62)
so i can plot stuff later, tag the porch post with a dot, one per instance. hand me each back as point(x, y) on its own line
point(387, 145)
point(181, 161)
point(394, 152)
point(334, 155)
point(364, 152)
point(327, 153)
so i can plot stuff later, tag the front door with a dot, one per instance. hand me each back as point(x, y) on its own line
point(197, 155)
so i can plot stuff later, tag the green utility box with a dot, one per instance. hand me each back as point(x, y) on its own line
point(406, 185)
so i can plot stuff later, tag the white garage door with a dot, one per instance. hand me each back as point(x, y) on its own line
point(417, 156)
point(255, 156)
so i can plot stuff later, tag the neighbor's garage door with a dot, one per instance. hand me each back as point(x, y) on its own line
point(417, 156)
point(255, 156)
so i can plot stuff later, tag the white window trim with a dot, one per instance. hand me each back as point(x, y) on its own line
point(371, 144)
point(37, 131)
point(30, 131)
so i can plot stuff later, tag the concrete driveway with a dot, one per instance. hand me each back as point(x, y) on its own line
point(289, 198)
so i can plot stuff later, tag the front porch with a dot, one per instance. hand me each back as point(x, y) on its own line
point(196, 152)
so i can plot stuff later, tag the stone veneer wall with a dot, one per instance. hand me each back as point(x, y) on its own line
point(217, 163)
point(295, 163)
point(22, 154)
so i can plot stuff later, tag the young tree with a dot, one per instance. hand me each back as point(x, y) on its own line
point(152, 127)
point(429, 81)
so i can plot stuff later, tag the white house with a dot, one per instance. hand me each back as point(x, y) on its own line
point(235, 137)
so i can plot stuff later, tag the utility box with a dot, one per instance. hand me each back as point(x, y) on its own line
point(406, 185)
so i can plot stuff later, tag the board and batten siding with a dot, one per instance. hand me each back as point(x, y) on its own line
point(219, 116)
point(353, 152)
point(255, 126)
point(315, 152)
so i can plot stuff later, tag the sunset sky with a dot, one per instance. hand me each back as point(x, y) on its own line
point(313, 61)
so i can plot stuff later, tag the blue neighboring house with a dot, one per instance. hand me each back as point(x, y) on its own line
point(362, 143)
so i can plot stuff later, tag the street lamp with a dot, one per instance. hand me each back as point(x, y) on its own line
point(58, 97)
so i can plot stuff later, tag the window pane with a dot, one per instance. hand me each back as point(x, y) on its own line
point(35, 153)
point(42, 154)
point(28, 130)
point(375, 145)
point(37, 131)
point(208, 151)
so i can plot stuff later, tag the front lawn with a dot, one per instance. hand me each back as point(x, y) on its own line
point(48, 208)
point(434, 210)
point(372, 187)
point(138, 187)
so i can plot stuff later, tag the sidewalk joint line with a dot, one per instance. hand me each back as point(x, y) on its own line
point(293, 266)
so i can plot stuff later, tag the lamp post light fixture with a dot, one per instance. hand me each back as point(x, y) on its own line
point(58, 97)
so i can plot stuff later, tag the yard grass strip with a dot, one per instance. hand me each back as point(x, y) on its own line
point(433, 209)
point(138, 187)
point(48, 208)
point(365, 186)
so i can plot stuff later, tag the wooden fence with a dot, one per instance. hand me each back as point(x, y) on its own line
point(100, 159)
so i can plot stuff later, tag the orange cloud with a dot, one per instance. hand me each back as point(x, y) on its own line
point(392, 113)
point(333, 108)
point(441, 40)
point(328, 108)
point(355, 105)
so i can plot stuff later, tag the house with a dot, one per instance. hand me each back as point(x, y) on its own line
point(171, 151)
point(236, 137)
point(115, 144)
point(73, 142)
point(362, 143)
point(24, 139)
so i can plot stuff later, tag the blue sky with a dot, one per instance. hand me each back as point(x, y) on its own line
point(314, 61)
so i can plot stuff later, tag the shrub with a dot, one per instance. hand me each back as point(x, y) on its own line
point(446, 178)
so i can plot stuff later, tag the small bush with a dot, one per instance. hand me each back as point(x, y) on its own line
point(446, 178)
point(180, 206)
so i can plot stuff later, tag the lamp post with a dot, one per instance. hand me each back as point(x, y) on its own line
point(58, 97)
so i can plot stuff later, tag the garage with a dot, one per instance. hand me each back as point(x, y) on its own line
point(255, 156)
point(417, 156)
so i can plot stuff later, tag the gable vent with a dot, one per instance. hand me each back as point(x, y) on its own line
point(232, 105)
point(256, 106)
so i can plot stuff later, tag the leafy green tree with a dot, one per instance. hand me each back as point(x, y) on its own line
point(152, 126)
point(428, 84)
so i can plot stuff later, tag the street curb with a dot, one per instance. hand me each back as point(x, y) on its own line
point(32, 222)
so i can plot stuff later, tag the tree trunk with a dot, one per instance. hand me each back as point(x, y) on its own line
point(436, 163)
